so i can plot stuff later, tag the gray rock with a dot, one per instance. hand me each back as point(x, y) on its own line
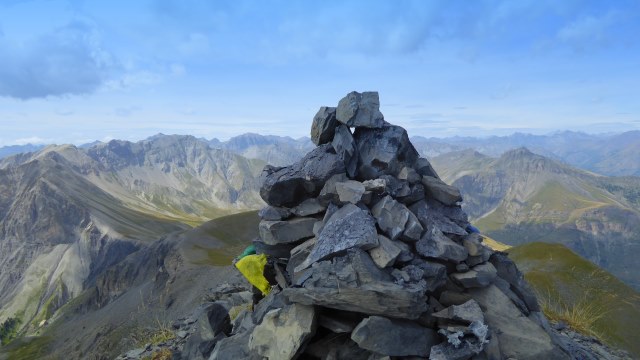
point(440, 191)
point(416, 193)
point(383, 151)
point(395, 220)
point(283, 332)
point(349, 227)
point(448, 298)
point(323, 125)
point(329, 194)
point(273, 213)
point(519, 337)
point(297, 257)
point(213, 324)
point(406, 253)
point(479, 276)
point(274, 300)
point(308, 207)
point(278, 250)
point(462, 267)
point(375, 185)
point(434, 274)
point(286, 232)
point(350, 191)
point(293, 184)
point(386, 253)
point(337, 347)
point(473, 244)
point(394, 337)
point(331, 209)
point(410, 175)
point(424, 168)
point(354, 283)
point(433, 217)
point(448, 351)
point(234, 347)
point(434, 244)
point(337, 325)
point(466, 313)
point(508, 271)
point(345, 147)
point(360, 109)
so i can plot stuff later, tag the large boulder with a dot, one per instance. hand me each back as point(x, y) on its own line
point(283, 332)
point(349, 227)
point(360, 110)
point(323, 125)
point(437, 189)
point(293, 184)
point(384, 150)
point(286, 232)
point(394, 337)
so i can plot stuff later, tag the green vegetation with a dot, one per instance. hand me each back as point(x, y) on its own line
point(164, 354)
point(28, 348)
point(9, 330)
point(580, 293)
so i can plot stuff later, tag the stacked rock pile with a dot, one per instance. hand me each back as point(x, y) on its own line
point(375, 259)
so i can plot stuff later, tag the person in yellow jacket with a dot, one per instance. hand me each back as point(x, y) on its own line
point(258, 270)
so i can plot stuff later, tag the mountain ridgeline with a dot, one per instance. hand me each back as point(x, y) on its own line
point(523, 197)
point(67, 214)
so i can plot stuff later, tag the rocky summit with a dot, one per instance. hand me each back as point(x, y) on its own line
point(374, 259)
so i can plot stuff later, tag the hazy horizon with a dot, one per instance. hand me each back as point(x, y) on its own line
point(73, 71)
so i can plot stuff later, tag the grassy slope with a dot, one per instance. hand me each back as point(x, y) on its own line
point(562, 277)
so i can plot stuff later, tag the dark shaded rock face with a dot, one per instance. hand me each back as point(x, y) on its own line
point(379, 263)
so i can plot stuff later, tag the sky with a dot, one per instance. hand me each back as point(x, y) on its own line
point(75, 71)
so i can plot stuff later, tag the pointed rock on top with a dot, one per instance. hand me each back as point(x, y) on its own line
point(360, 110)
point(324, 125)
point(345, 147)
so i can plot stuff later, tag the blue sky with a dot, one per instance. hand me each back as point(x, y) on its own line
point(73, 71)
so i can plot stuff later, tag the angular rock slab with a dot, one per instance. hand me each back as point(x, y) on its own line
point(348, 227)
point(286, 232)
point(435, 245)
point(395, 220)
point(479, 276)
point(383, 151)
point(323, 125)
point(293, 184)
point(437, 189)
point(282, 332)
point(272, 213)
point(433, 217)
point(519, 337)
point(466, 313)
point(360, 110)
point(386, 253)
point(394, 337)
point(345, 147)
point(350, 191)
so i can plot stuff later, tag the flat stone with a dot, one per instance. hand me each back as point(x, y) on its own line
point(386, 253)
point(433, 217)
point(394, 337)
point(519, 337)
point(285, 232)
point(308, 207)
point(354, 283)
point(283, 332)
point(434, 244)
point(289, 186)
point(273, 213)
point(323, 125)
point(437, 189)
point(434, 274)
point(479, 276)
point(235, 347)
point(278, 250)
point(350, 191)
point(382, 151)
point(349, 227)
point(406, 253)
point(416, 193)
point(448, 298)
point(360, 110)
point(466, 313)
point(345, 147)
point(396, 220)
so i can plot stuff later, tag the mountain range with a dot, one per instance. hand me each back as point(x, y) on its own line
point(607, 154)
point(522, 197)
point(68, 214)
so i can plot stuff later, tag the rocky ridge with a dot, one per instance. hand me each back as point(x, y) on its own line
point(375, 259)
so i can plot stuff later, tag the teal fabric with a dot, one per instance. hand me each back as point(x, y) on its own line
point(250, 250)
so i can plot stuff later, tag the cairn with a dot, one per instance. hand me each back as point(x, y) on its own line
point(375, 258)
